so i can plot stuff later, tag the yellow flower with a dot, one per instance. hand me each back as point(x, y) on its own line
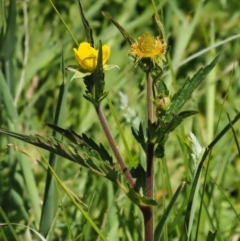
point(148, 46)
point(86, 56)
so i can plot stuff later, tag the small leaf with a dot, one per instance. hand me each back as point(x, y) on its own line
point(141, 200)
point(139, 136)
point(159, 152)
point(185, 114)
point(161, 87)
point(140, 174)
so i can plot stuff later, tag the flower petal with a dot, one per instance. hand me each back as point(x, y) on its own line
point(105, 53)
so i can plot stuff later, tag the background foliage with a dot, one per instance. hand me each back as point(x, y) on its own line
point(32, 40)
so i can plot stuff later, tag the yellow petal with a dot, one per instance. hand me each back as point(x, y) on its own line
point(105, 53)
point(86, 56)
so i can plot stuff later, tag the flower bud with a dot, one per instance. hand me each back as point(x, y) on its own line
point(162, 102)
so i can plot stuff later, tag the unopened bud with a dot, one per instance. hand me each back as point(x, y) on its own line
point(162, 102)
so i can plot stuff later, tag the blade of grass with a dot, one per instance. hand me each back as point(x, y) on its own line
point(200, 166)
point(9, 224)
point(160, 225)
point(73, 199)
point(59, 15)
point(129, 154)
point(234, 134)
point(50, 202)
point(26, 168)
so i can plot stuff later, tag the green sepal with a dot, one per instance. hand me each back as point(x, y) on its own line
point(107, 67)
point(98, 78)
point(160, 26)
point(77, 74)
point(88, 29)
point(125, 34)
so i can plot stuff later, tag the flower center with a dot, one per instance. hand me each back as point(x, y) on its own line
point(146, 43)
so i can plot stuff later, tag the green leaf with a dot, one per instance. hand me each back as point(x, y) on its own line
point(82, 153)
point(83, 140)
point(185, 114)
point(125, 34)
point(185, 92)
point(140, 175)
point(141, 200)
point(160, 225)
point(161, 86)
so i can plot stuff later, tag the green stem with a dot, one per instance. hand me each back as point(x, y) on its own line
point(115, 150)
point(148, 211)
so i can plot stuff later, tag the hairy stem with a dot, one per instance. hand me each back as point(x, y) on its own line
point(115, 150)
point(148, 211)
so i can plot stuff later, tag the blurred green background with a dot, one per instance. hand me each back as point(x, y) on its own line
point(32, 40)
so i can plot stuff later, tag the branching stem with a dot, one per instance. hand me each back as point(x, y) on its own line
point(115, 150)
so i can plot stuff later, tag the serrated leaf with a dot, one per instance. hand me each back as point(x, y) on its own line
point(82, 153)
point(79, 153)
point(185, 92)
point(83, 140)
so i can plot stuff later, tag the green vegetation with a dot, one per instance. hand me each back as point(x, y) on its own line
point(197, 155)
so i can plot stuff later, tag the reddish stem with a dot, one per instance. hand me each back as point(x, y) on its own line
point(115, 150)
point(148, 210)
